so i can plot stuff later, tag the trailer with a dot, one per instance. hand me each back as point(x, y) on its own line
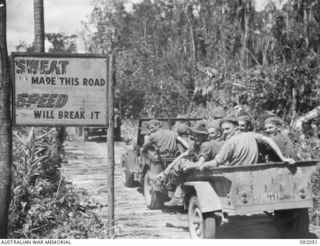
point(281, 190)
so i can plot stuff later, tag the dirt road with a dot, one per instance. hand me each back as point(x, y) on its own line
point(87, 169)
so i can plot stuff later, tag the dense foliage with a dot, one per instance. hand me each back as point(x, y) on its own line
point(173, 55)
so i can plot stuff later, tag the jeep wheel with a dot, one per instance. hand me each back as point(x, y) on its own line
point(151, 197)
point(201, 225)
point(127, 177)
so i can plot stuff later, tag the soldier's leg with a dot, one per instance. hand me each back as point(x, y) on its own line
point(177, 171)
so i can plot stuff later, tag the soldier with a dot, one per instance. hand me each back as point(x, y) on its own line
point(210, 148)
point(273, 127)
point(215, 130)
point(245, 123)
point(240, 148)
point(164, 140)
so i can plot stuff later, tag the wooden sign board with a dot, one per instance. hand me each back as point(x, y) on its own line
point(59, 89)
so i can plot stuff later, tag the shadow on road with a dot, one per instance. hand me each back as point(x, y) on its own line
point(173, 210)
point(185, 228)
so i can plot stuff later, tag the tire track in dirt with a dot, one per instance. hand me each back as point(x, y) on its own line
point(87, 170)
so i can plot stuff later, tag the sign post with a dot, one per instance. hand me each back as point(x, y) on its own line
point(110, 145)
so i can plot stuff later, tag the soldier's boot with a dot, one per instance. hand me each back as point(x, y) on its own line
point(177, 199)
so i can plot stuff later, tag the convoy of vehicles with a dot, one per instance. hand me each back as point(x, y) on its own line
point(280, 190)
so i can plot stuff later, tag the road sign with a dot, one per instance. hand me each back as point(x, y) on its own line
point(59, 89)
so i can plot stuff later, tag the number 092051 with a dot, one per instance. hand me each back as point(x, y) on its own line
point(308, 242)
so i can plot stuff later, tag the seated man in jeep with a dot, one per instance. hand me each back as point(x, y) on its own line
point(273, 126)
point(163, 140)
point(245, 123)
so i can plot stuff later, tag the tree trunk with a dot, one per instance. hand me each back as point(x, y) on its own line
point(192, 37)
point(294, 104)
point(244, 41)
point(288, 12)
point(265, 51)
point(246, 24)
point(5, 126)
point(223, 38)
point(306, 22)
point(38, 25)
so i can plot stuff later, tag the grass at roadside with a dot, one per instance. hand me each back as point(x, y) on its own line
point(43, 204)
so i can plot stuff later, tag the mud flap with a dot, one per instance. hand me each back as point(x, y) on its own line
point(207, 197)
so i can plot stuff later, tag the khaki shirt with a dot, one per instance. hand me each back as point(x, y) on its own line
point(240, 149)
point(164, 140)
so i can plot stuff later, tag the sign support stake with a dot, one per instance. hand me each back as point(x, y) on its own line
point(110, 144)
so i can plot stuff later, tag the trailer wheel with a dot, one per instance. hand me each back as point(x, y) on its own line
point(201, 225)
point(127, 176)
point(152, 198)
point(293, 223)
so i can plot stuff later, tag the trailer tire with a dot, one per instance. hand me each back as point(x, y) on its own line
point(201, 225)
point(293, 223)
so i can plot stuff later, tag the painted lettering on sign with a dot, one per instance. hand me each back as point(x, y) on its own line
point(69, 81)
point(44, 114)
point(34, 66)
point(43, 81)
point(41, 100)
point(93, 82)
point(71, 115)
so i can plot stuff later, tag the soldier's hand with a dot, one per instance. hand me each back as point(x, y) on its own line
point(208, 164)
point(202, 167)
point(189, 167)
